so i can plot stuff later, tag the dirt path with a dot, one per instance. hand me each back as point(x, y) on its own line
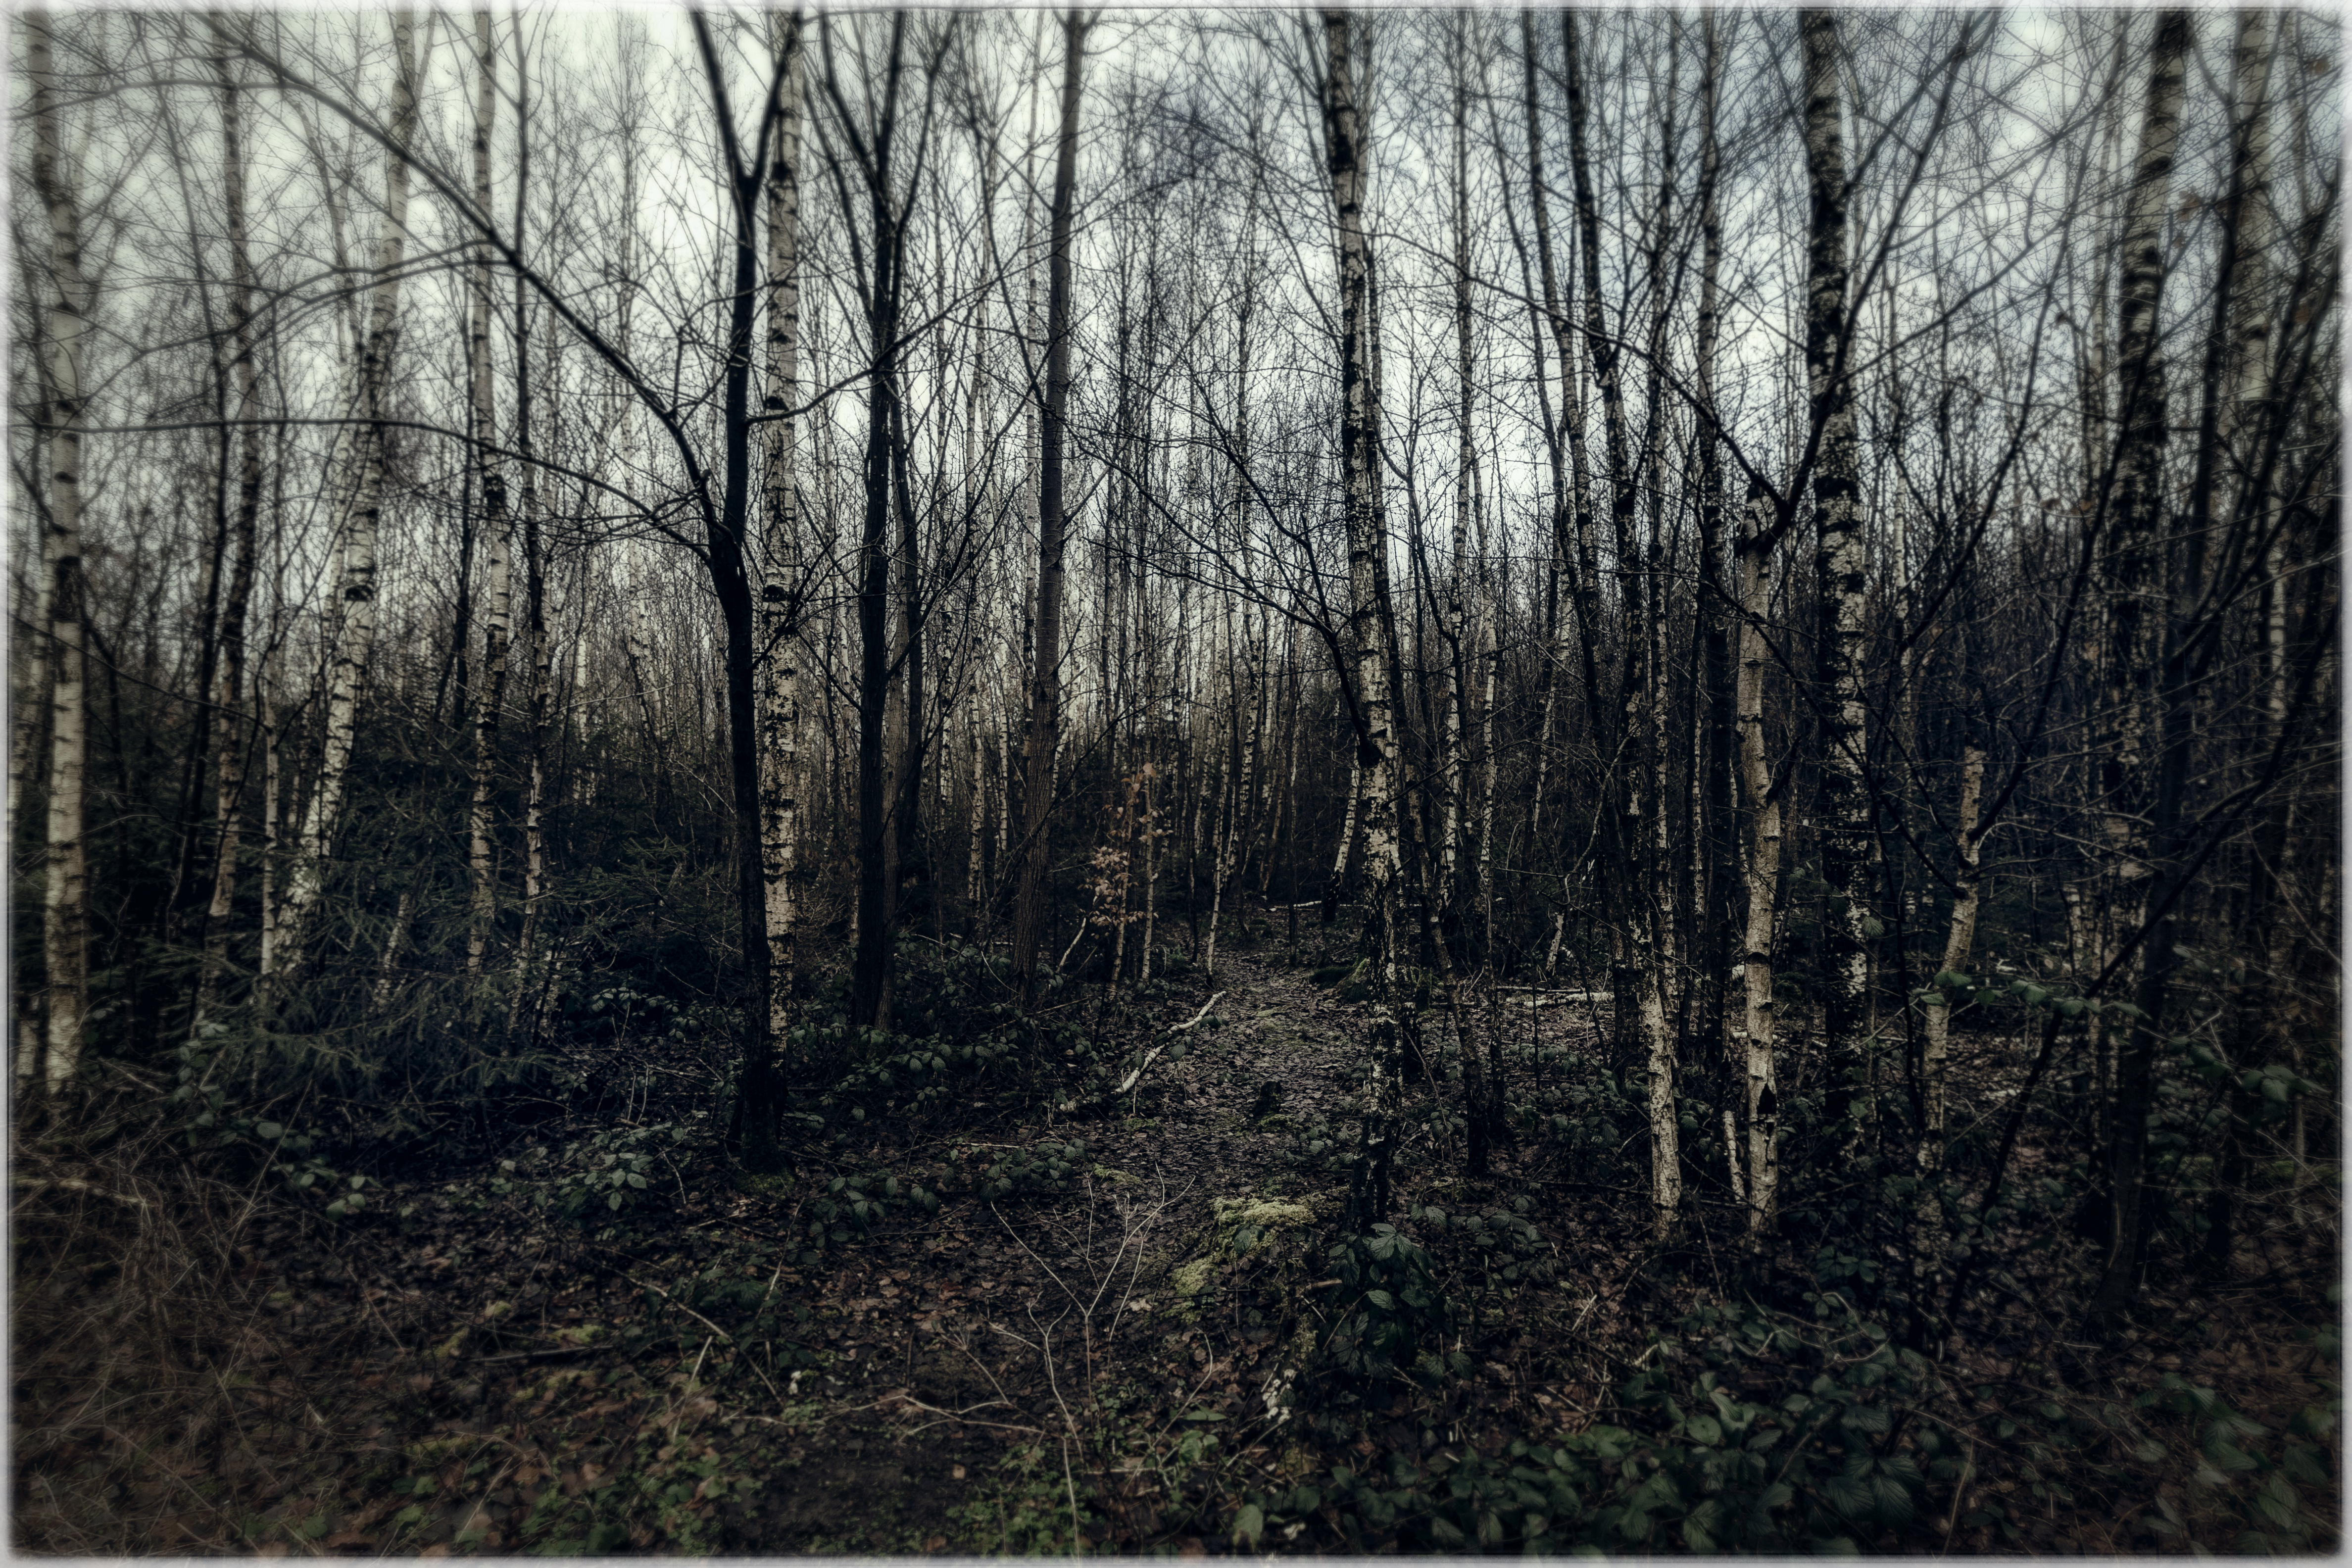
point(463, 1371)
point(466, 1371)
point(1269, 1057)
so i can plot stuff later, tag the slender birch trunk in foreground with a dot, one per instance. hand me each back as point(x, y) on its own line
point(2141, 829)
point(497, 606)
point(539, 700)
point(65, 906)
point(1224, 817)
point(780, 783)
point(265, 691)
point(1454, 628)
point(1634, 887)
point(1376, 742)
point(1839, 566)
point(1717, 757)
point(1482, 1062)
point(1665, 960)
point(229, 689)
point(356, 591)
point(1762, 793)
point(1235, 661)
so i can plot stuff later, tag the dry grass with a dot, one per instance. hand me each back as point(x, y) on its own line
point(134, 1343)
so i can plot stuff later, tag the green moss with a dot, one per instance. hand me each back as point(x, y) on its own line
point(1265, 1215)
point(1193, 1277)
point(1243, 1226)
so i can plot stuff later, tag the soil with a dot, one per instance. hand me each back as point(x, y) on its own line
point(463, 1370)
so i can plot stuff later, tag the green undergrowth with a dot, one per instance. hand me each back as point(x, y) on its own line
point(1754, 1431)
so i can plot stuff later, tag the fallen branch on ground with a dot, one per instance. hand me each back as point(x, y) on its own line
point(1151, 1055)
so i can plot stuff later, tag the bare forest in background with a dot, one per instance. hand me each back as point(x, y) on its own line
point(1679, 662)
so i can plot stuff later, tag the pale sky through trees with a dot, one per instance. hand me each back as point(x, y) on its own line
point(1984, 228)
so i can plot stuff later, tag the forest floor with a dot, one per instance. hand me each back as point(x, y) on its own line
point(462, 1371)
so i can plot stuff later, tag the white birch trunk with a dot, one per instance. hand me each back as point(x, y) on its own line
point(583, 781)
point(2133, 565)
point(1368, 622)
point(1455, 631)
point(30, 672)
point(1226, 820)
point(65, 905)
point(780, 805)
point(357, 587)
point(265, 695)
point(1151, 851)
point(1490, 659)
point(498, 601)
point(1236, 661)
point(539, 651)
point(1755, 1033)
point(1841, 568)
point(229, 689)
point(389, 967)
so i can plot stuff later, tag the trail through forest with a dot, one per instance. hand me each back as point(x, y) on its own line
point(493, 1379)
point(1120, 1310)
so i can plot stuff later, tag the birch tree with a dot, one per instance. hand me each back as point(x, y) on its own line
point(65, 900)
point(1635, 887)
point(1839, 572)
point(780, 594)
point(497, 609)
point(1761, 795)
point(230, 691)
point(1368, 644)
point(356, 591)
point(2136, 602)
